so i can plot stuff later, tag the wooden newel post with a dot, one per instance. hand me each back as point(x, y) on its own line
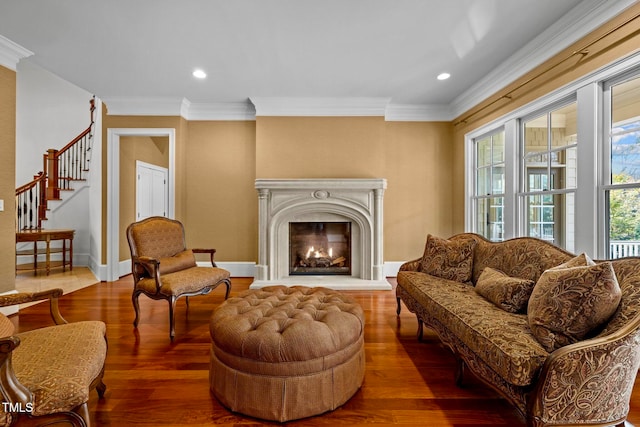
point(53, 191)
point(42, 198)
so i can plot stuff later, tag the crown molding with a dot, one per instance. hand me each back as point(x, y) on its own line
point(11, 53)
point(291, 107)
point(318, 107)
point(155, 106)
point(142, 106)
point(418, 113)
point(575, 24)
point(221, 111)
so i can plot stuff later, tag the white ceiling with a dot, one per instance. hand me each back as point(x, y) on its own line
point(389, 51)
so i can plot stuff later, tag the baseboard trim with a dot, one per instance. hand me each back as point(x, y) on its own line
point(391, 268)
point(236, 268)
point(338, 283)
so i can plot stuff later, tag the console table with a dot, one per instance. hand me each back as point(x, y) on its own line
point(45, 236)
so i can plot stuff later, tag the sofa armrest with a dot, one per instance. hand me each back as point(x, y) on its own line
point(211, 253)
point(413, 265)
point(590, 381)
point(24, 297)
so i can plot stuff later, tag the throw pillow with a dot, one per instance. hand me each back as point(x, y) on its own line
point(509, 293)
point(179, 261)
point(448, 259)
point(581, 260)
point(567, 305)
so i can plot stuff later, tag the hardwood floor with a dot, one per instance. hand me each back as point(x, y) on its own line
point(151, 381)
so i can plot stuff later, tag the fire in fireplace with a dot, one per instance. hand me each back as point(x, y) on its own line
point(320, 248)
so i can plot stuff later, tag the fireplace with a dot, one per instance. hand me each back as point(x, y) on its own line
point(319, 248)
point(356, 204)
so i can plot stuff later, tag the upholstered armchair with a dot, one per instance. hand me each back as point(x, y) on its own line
point(163, 267)
point(46, 374)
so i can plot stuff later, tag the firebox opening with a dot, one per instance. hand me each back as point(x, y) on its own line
point(320, 248)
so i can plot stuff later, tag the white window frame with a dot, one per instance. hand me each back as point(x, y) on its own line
point(591, 233)
point(605, 166)
point(523, 176)
point(474, 187)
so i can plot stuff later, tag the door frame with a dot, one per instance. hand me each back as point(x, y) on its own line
point(113, 189)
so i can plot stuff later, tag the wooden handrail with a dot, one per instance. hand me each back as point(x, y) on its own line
point(30, 184)
point(59, 168)
point(84, 133)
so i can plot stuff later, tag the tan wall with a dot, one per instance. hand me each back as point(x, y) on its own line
point(218, 162)
point(419, 172)
point(414, 157)
point(153, 150)
point(614, 40)
point(320, 147)
point(220, 201)
point(7, 178)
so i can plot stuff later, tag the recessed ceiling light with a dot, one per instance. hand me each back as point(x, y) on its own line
point(199, 74)
point(443, 76)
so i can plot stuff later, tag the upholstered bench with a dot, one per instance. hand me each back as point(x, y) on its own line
point(282, 353)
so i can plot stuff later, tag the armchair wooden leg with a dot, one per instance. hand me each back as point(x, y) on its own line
point(101, 388)
point(136, 307)
point(83, 411)
point(459, 374)
point(399, 307)
point(172, 317)
point(228, 285)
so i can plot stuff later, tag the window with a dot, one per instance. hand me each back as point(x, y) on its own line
point(489, 185)
point(564, 168)
point(549, 166)
point(622, 168)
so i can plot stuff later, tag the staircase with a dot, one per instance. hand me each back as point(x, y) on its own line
point(60, 169)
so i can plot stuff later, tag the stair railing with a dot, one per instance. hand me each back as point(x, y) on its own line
point(31, 203)
point(60, 167)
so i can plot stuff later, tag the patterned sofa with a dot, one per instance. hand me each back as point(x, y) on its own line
point(556, 334)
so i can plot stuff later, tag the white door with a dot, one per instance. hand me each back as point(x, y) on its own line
point(152, 196)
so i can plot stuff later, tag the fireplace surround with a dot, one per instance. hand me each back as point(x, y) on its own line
point(358, 202)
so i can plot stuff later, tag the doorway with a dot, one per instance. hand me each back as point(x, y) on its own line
point(116, 268)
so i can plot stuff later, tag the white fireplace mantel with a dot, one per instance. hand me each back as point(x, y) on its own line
point(359, 201)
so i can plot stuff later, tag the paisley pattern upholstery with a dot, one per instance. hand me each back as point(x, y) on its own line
point(522, 257)
point(59, 363)
point(581, 260)
point(628, 276)
point(448, 259)
point(509, 293)
point(568, 304)
point(588, 382)
point(501, 339)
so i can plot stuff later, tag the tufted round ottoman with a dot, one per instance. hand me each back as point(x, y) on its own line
point(282, 353)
